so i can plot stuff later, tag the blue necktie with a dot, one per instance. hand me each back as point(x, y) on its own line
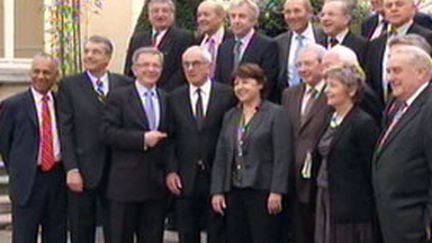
point(150, 110)
point(295, 78)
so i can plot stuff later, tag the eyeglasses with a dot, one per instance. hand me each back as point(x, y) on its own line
point(193, 64)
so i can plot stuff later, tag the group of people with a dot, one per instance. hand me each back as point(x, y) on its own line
point(318, 135)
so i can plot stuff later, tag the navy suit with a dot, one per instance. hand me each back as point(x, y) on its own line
point(38, 198)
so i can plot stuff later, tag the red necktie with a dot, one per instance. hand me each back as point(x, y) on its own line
point(47, 150)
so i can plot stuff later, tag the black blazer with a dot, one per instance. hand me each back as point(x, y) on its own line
point(136, 173)
point(19, 144)
point(80, 116)
point(368, 26)
point(173, 44)
point(401, 175)
point(349, 167)
point(192, 144)
point(261, 50)
point(268, 150)
point(375, 54)
point(284, 43)
point(356, 43)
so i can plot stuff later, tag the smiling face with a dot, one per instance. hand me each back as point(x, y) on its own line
point(161, 15)
point(399, 12)
point(96, 57)
point(309, 67)
point(43, 74)
point(247, 90)
point(333, 18)
point(242, 19)
point(209, 18)
point(338, 94)
point(404, 77)
point(147, 69)
point(297, 15)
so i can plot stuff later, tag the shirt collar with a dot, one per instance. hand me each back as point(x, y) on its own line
point(205, 88)
point(306, 33)
point(38, 96)
point(341, 36)
point(160, 33)
point(143, 89)
point(103, 78)
point(319, 86)
point(245, 39)
point(217, 37)
point(402, 30)
point(413, 97)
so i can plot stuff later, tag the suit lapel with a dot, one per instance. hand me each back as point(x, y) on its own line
point(32, 112)
point(186, 106)
point(319, 103)
point(87, 88)
point(286, 51)
point(211, 106)
point(256, 121)
point(343, 127)
point(167, 41)
point(373, 25)
point(247, 54)
point(135, 101)
point(162, 109)
point(296, 106)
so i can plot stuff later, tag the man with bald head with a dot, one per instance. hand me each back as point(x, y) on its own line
point(306, 104)
point(30, 147)
point(196, 112)
point(247, 46)
point(399, 14)
point(210, 18)
point(335, 18)
point(401, 167)
point(297, 15)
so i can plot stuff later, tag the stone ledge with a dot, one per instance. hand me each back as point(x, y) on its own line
point(14, 70)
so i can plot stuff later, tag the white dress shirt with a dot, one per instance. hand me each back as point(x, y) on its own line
point(205, 95)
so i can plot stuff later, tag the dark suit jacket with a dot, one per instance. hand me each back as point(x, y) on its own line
point(305, 136)
point(349, 167)
point(368, 26)
point(192, 144)
point(80, 115)
point(261, 50)
point(401, 175)
point(356, 43)
point(173, 44)
point(136, 173)
point(375, 56)
point(284, 43)
point(19, 144)
point(268, 150)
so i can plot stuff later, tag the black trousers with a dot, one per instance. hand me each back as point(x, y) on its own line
point(248, 218)
point(194, 211)
point(303, 222)
point(46, 207)
point(143, 220)
point(83, 214)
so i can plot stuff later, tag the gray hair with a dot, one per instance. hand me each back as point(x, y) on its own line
point(108, 46)
point(351, 76)
point(347, 6)
point(205, 54)
point(345, 54)
point(217, 5)
point(417, 57)
point(307, 4)
point(147, 50)
point(411, 40)
point(169, 2)
point(317, 49)
point(251, 4)
point(44, 55)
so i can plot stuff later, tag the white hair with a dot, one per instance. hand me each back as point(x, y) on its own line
point(205, 54)
point(345, 54)
point(251, 4)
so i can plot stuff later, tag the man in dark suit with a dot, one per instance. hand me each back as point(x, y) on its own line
point(81, 101)
point(134, 126)
point(247, 46)
point(307, 107)
point(399, 14)
point(196, 113)
point(297, 14)
point(335, 19)
point(376, 25)
point(210, 18)
point(402, 163)
point(29, 145)
point(170, 40)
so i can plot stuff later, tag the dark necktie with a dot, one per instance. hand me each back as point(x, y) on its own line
point(395, 114)
point(333, 42)
point(312, 92)
point(100, 90)
point(384, 27)
point(47, 149)
point(237, 53)
point(199, 112)
point(154, 38)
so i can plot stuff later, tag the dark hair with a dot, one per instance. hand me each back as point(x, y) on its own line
point(250, 70)
point(108, 46)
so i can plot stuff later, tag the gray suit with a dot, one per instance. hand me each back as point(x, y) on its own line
point(401, 175)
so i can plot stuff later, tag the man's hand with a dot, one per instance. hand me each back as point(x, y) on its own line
point(219, 204)
point(74, 181)
point(152, 138)
point(173, 183)
point(274, 203)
